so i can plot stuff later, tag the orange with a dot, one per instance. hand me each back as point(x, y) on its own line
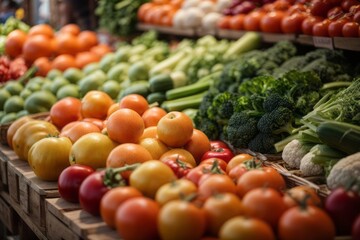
point(181, 154)
point(87, 39)
point(152, 116)
point(135, 102)
point(14, 43)
point(127, 154)
point(37, 46)
point(71, 28)
point(155, 147)
point(84, 58)
point(198, 144)
point(42, 29)
point(175, 129)
point(149, 132)
point(95, 104)
point(77, 129)
point(63, 62)
point(101, 49)
point(43, 66)
point(125, 126)
point(67, 44)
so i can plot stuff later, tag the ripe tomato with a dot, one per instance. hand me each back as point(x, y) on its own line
point(65, 111)
point(305, 222)
point(224, 22)
point(252, 21)
point(271, 22)
point(218, 144)
point(292, 23)
point(222, 153)
point(238, 159)
point(246, 228)
point(351, 29)
point(198, 172)
point(175, 191)
point(265, 176)
point(295, 195)
point(216, 183)
point(237, 22)
point(175, 129)
point(179, 220)
point(113, 199)
point(70, 180)
point(136, 218)
point(219, 208)
point(335, 27)
point(308, 23)
point(347, 4)
point(150, 176)
point(320, 8)
point(215, 161)
point(265, 204)
point(179, 167)
point(92, 189)
point(321, 28)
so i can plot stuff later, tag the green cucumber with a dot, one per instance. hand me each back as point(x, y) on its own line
point(158, 97)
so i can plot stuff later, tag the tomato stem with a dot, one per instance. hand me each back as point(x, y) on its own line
point(113, 178)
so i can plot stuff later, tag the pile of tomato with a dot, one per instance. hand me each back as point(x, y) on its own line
point(327, 18)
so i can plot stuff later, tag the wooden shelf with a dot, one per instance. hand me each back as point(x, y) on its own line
point(352, 44)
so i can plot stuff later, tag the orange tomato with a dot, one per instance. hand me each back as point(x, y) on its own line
point(135, 102)
point(295, 195)
point(95, 104)
point(67, 43)
point(179, 153)
point(71, 28)
point(237, 22)
point(14, 127)
point(63, 62)
point(65, 111)
point(41, 29)
point(152, 115)
point(236, 160)
point(84, 58)
point(198, 144)
point(77, 129)
point(155, 147)
point(149, 132)
point(14, 43)
point(125, 126)
point(87, 39)
point(37, 46)
point(175, 129)
point(43, 65)
point(101, 49)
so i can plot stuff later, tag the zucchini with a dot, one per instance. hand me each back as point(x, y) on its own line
point(139, 87)
point(161, 83)
point(339, 135)
point(158, 97)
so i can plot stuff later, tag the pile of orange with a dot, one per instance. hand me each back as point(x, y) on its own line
point(47, 49)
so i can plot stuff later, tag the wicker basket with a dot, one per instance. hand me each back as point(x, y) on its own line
point(4, 127)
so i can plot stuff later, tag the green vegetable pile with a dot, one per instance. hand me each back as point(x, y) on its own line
point(259, 100)
point(118, 17)
point(10, 25)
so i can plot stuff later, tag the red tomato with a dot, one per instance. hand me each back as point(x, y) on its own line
point(65, 111)
point(113, 199)
point(215, 162)
point(292, 23)
point(266, 176)
point(335, 27)
point(350, 29)
point(136, 218)
point(198, 172)
point(296, 8)
point(320, 29)
point(222, 153)
point(70, 179)
point(305, 222)
point(91, 191)
point(308, 23)
point(180, 168)
point(252, 21)
point(347, 4)
point(214, 144)
point(264, 203)
point(224, 22)
point(320, 7)
point(271, 22)
point(237, 22)
point(335, 13)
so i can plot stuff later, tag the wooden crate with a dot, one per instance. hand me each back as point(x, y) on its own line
point(29, 192)
point(67, 221)
point(8, 216)
point(6, 154)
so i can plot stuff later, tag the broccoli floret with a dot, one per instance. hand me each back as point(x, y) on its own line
point(278, 121)
point(294, 63)
point(336, 56)
point(221, 108)
point(210, 128)
point(281, 52)
point(241, 128)
point(258, 85)
point(305, 103)
point(263, 143)
point(206, 102)
point(275, 100)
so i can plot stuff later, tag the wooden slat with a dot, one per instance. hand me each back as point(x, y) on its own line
point(8, 216)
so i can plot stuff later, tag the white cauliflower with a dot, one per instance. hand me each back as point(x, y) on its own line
point(308, 168)
point(293, 152)
point(344, 172)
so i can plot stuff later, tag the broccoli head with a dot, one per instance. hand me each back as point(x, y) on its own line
point(281, 52)
point(210, 128)
point(221, 107)
point(241, 128)
point(206, 102)
point(305, 103)
point(275, 100)
point(258, 85)
point(263, 142)
point(278, 121)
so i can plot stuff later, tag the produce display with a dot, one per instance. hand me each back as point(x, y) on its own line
point(183, 139)
point(10, 25)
